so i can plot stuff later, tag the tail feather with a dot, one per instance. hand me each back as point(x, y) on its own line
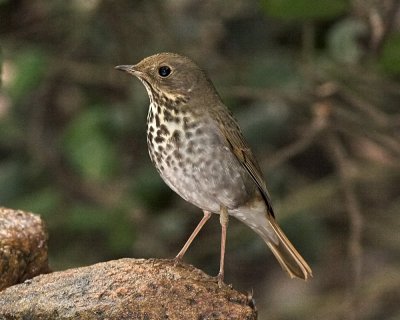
point(288, 257)
point(264, 224)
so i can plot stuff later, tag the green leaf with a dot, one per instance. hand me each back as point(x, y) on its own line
point(305, 9)
point(114, 226)
point(30, 70)
point(44, 202)
point(390, 57)
point(88, 146)
point(11, 180)
point(85, 218)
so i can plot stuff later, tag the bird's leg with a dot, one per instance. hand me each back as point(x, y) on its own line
point(223, 219)
point(203, 221)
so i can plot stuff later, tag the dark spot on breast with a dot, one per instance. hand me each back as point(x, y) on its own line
point(190, 147)
point(170, 104)
point(158, 109)
point(160, 148)
point(180, 99)
point(189, 150)
point(176, 138)
point(157, 120)
point(159, 139)
point(188, 134)
point(177, 155)
point(199, 131)
point(189, 124)
point(177, 120)
point(157, 155)
point(192, 125)
point(164, 130)
point(151, 129)
point(169, 101)
point(167, 115)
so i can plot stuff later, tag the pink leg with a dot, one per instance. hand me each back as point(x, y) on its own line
point(223, 219)
point(203, 221)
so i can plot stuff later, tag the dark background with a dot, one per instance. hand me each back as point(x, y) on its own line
point(315, 86)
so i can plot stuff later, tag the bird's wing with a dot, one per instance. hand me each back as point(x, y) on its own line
point(235, 141)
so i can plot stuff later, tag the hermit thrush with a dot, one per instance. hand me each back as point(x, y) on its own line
point(199, 151)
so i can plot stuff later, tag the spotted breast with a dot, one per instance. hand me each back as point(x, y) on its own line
point(186, 152)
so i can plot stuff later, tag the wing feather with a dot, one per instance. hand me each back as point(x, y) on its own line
point(235, 141)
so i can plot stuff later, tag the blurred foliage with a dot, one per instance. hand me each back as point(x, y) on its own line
point(390, 59)
point(305, 9)
point(88, 145)
point(315, 86)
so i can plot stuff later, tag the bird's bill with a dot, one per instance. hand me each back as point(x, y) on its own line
point(126, 68)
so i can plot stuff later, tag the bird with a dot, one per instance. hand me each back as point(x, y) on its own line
point(198, 149)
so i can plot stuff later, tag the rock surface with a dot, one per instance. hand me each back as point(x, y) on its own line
point(23, 246)
point(125, 289)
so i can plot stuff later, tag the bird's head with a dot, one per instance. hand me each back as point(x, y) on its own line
point(175, 77)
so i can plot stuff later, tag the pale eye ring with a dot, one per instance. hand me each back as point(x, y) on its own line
point(164, 71)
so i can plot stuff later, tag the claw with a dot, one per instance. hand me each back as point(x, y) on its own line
point(220, 279)
point(177, 261)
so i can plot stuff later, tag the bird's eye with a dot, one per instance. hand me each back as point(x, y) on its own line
point(164, 71)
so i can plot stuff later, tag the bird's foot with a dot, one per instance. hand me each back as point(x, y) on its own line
point(177, 260)
point(220, 279)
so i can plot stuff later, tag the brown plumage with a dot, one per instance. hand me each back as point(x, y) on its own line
point(198, 149)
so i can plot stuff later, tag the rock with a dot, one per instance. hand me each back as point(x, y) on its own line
point(23, 246)
point(125, 289)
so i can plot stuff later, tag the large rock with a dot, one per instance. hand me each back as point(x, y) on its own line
point(23, 246)
point(125, 289)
